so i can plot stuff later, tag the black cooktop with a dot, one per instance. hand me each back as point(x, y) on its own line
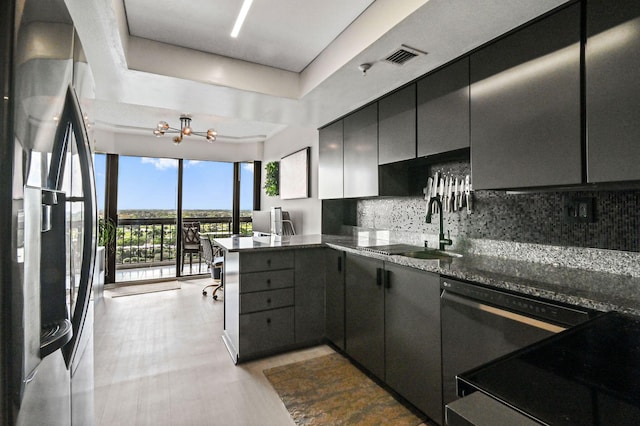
point(588, 375)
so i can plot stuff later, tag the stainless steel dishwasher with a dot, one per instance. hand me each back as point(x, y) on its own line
point(480, 324)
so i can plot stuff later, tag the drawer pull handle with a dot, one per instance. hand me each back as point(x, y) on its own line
point(268, 320)
point(269, 281)
point(269, 262)
point(269, 300)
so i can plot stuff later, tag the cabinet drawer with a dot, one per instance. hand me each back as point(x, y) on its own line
point(259, 281)
point(267, 261)
point(263, 300)
point(266, 331)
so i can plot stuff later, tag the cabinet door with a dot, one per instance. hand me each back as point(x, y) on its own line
point(365, 313)
point(525, 106)
point(412, 348)
point(266, 331)
point(330, 162)
point(443, 110)
point(613, 90)
point(334, 301)
point(397, 126)
point(361, 153)
point(309, 295)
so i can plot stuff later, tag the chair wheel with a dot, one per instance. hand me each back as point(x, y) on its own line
point(215, 297)
point(204, 293)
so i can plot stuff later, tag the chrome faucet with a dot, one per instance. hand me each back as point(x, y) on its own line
point(442, 240)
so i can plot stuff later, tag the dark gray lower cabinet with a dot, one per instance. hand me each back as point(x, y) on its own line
point(365, 313)
point(309, 295)
point(334, 302)
point(393, 328)
point(412, 337)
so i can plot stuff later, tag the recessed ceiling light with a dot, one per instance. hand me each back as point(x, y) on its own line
point(241, 17)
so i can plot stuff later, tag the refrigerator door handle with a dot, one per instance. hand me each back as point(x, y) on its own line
point(73, 116)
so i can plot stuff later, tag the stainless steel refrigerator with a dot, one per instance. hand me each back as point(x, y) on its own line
point(47, 218)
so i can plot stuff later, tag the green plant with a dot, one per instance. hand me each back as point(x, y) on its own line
point(271, 180)
point(106, 232)
point(106, 236)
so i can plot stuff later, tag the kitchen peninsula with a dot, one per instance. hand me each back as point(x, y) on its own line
point(272, 269)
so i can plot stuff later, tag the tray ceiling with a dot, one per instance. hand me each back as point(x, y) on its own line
point(284, 34)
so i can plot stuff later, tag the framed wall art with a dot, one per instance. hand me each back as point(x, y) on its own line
point(294, 175)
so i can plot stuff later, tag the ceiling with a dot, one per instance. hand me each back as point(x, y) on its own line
point(295, 63)
point(271, 34)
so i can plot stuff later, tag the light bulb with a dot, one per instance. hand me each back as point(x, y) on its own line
point(211, 135)
point(186, 131)
point(177, 140)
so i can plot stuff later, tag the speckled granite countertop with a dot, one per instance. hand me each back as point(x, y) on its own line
point(234, 244)
point(595, 290)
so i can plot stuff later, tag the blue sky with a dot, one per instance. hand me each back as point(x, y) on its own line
point(151, 183)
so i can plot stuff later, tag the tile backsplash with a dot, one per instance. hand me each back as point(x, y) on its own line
point(536, 218)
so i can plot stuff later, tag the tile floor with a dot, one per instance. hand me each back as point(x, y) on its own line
point(160, 360)
point(156, 272)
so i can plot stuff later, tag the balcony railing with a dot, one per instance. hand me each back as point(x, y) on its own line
point(150, 242)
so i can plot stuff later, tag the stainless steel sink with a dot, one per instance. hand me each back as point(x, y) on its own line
point(431, 254)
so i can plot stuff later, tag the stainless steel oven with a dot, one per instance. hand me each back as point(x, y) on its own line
point(480, 324)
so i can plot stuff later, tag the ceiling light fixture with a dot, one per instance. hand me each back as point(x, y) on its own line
point(184, 130)
point(241, 17)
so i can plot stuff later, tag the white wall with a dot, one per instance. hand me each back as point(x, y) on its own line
point(306, 213)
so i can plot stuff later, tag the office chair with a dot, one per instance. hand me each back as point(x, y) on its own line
point(212, 256)
point(287, 225)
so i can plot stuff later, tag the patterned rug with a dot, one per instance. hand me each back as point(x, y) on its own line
point(329, 390)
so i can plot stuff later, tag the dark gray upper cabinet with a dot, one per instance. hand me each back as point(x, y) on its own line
point(443, 110)
point(412, 337)
point(525, 106)
point(330, 163)
point(613, 90)
point(365, 312)
point(361, 153)
point(334, 300)
point(397, 126)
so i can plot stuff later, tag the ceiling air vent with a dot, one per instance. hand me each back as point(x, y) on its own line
point(403, 54)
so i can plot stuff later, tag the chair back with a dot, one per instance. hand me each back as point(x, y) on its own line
point(287, 225)
point(207, 250)
point(191, 235)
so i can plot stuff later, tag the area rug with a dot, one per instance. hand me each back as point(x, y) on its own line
point(130, 290)
point(329, 390)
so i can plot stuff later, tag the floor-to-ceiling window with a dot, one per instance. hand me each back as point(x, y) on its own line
point(207, 202)
point(147, 210)
point(159, 199)
point(100, 167)
point(246, 197)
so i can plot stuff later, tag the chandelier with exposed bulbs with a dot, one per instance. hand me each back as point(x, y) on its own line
point(184, 130)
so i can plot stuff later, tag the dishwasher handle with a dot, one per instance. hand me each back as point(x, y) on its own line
point(448, 296)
